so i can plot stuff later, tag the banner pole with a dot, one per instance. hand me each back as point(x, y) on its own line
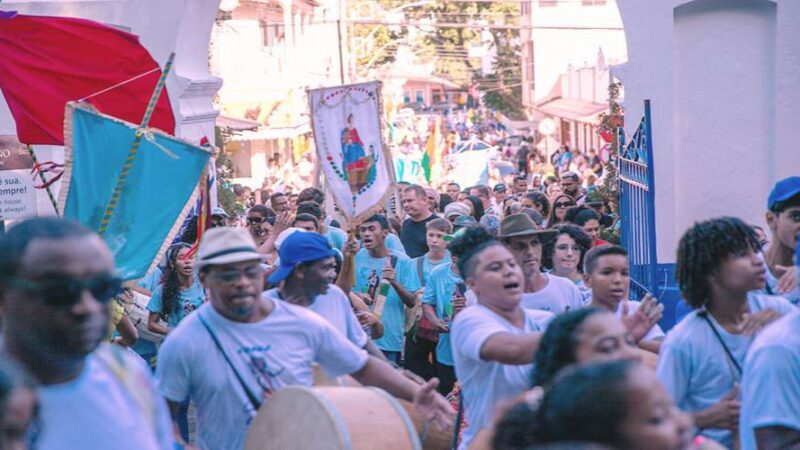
point(44, 180)
point(126, 168)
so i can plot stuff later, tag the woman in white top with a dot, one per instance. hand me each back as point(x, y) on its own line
point(494, 342)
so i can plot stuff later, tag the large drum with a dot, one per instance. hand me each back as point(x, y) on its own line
point(332, 418)
point(430, 438)
point(136, 307)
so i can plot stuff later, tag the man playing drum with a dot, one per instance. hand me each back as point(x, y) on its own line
point(240, 347)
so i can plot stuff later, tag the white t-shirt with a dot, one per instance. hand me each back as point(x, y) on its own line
point(334, 306)
point(558, 296)
point(484, 384)
point(771, 380)
point(97, 410)
point(694, 366)
point(655, 333)
point(276, 352)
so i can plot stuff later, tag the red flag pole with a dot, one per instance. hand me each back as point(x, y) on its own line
point(126, 168)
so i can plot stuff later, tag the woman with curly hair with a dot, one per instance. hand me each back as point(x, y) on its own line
point(563, 256)
point(494, 341)
point(179, 293)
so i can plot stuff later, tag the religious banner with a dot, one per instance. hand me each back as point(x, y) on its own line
point(135, 200)
point(346, 121)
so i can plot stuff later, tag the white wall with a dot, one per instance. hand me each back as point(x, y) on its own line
point(724, 80)
point(573, 34)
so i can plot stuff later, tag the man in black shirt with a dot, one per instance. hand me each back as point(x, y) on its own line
point(416, 207)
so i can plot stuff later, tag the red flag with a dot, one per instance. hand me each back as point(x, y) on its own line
point(47, 61)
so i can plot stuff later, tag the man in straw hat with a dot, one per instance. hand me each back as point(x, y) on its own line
point(542, 291)
point(240, 347)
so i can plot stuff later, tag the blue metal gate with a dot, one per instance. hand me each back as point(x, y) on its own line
point(637, 205)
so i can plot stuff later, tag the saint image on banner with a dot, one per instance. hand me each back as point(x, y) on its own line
point(357, 165)
point(348, 136)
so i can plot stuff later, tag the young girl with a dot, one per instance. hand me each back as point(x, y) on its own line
point(620, 404)
point(179, 294)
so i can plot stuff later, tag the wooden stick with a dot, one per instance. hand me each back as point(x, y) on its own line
point(44, 180)
point(126, 168)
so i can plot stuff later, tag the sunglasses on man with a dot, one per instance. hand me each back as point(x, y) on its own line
point(65, 291)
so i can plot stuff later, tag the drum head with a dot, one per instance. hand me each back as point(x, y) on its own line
point(331, 418)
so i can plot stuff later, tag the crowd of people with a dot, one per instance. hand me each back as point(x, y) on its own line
point(499, 311)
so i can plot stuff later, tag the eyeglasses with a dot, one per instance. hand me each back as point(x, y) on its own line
point(255, 220)
point(565, 247)
point(563, 204)
point(65, 291)
point(233, 275)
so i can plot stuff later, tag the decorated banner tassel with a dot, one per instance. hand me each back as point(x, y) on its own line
point(46, 184)
point(126, 168)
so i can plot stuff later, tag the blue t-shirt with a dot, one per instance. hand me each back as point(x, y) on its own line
point(151, 280)
point(394, 244)
point(368, 276)
point(439, 293)
point(188, 300)
point(428, 266)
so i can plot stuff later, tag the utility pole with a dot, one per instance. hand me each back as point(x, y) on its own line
point(339, 24)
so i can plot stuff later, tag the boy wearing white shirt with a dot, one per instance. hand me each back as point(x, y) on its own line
point(607, 274)
point(700, 364)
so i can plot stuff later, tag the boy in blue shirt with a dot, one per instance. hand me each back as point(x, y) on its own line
point(421, 340)
point(374, 263)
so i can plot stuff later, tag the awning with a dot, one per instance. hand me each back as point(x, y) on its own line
point(236, 124)
point(268, 133)
point(572, 109)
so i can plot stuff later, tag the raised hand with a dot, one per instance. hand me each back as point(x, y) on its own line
point(644, 319)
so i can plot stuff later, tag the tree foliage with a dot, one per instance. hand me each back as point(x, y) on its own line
point(446, 47)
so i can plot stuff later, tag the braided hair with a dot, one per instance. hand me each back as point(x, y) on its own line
point(468, 244)
point(702, 250)
point(171, 286)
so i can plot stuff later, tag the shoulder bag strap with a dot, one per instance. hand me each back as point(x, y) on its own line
point(704, 315)
point(254, 401)
point(420, 270)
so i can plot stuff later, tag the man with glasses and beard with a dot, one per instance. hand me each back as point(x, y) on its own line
point(236, 350)
point(56, 283)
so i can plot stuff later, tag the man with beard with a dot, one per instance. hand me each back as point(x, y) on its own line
point(571, 185)
point(416, 206)
point(241, 347)
point(308, 282)
point(56, 283)
point(524, 239)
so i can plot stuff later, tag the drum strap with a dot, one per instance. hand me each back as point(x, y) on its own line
point(459, 419)
point(254, 401)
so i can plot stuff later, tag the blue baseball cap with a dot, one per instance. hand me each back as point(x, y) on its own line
point(299, 248)
point(783, 190)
